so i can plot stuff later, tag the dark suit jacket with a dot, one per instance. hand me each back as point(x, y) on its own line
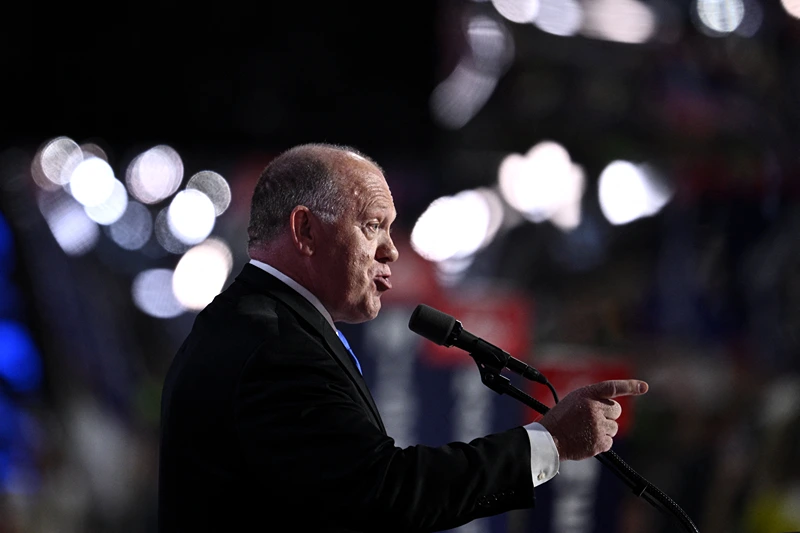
point(267, 425)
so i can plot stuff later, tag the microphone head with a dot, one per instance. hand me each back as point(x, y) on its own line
point(431, 324)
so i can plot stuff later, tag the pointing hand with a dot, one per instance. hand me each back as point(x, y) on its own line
point(584, 423)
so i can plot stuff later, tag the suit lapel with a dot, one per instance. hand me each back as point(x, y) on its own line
point(341, 353)
point(305, 309)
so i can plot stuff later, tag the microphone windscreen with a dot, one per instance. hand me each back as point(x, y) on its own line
point(431, 324)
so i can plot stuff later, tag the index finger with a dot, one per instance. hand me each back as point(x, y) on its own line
point(618, 387)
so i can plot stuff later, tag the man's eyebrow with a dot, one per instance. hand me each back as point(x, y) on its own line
point(377, 210)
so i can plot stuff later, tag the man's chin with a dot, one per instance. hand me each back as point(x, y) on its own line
point(364, 315)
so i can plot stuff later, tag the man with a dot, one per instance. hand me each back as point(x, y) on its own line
point(267, 423)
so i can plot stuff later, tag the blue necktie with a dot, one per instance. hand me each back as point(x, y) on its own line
point(347, 345)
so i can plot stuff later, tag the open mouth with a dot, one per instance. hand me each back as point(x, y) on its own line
point(383, 283)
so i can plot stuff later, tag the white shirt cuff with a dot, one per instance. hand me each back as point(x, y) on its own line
point(544, 454)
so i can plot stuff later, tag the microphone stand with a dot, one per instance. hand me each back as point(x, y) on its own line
point(492, 378)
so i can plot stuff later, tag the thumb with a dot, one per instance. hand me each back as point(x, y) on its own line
point(617, 387)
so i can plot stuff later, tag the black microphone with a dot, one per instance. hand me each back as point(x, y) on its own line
point(444, 330)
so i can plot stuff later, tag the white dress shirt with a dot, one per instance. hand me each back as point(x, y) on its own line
point(544, 455)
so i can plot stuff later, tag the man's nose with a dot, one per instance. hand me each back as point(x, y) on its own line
point(387, 252)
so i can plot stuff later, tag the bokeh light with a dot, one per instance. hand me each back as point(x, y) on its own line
point(559, 17)
point(455, 226)
point(92, 182)
point(201, 273)
point(152, 293)
point(624, 21)
point(191, 216)
point(628, 192)
point(73, 230)
point(164, 235)
point(214, 186)
point(458, 98)
point(567, 216)
point(57, 160)
point(112, 208)
point(543, 184)
point(519, 11)
point(494, 204)
point(491, 45)
point(133, 229)
point(93, 150)
point(721, 16)
point(155, 174)
point(792, 7)
point(38, 175)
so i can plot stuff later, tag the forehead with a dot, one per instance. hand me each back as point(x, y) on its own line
point(364, 184)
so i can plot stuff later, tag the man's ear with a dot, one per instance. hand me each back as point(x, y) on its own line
point(302, 230)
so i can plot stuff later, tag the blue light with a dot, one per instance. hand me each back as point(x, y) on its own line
point(20, 366)
point(8, 436)
point(6, 247)
point(10, 301)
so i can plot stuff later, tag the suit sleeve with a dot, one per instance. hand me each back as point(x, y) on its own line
point(314, 450)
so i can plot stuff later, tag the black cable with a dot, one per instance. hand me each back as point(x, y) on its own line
point(553, 390)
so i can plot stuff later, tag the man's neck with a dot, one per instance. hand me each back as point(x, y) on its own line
point(295, 284)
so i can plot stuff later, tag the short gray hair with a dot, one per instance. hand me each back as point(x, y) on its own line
point(303, 175)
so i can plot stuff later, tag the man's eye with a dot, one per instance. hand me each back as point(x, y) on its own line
point(374, 226)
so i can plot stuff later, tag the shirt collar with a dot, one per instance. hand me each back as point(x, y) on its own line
point(297, 287)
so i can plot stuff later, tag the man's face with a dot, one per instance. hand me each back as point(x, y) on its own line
point(357, 249)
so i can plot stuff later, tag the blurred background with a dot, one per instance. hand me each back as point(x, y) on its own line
point(604, 188)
